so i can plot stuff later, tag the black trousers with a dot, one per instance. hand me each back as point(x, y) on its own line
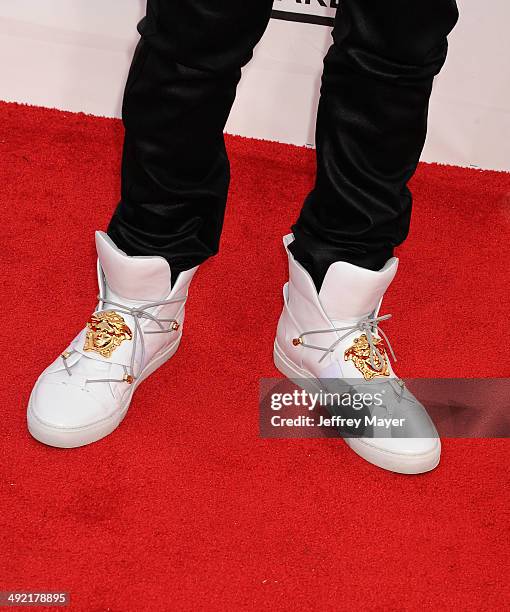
point(371, 127)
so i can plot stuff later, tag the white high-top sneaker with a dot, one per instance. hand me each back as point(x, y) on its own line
point(331, 340)
point(85, 393)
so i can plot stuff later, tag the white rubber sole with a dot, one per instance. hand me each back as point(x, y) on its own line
point(364, 447)
point(73, 437)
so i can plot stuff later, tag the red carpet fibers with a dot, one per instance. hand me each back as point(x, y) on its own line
point(184, 507)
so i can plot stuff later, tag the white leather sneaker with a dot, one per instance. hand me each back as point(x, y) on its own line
point(331, 340)
point(85, 393)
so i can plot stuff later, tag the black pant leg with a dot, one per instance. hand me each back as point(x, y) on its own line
point(181, 86)
point(370, 131)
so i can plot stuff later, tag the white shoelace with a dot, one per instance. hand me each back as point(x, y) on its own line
point(369, 326)
point(137, 312)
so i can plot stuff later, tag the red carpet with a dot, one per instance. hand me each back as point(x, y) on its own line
point(184, 507)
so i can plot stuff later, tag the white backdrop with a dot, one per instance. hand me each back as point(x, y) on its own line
point(74, 55)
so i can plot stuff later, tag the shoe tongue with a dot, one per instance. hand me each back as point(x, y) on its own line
point(145, 279)
point(349, 292)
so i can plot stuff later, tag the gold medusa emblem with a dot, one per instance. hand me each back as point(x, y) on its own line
point(106, 331)
point(359, 353)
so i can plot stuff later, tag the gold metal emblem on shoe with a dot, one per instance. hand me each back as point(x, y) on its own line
point(106, 332)
point(359, 354)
